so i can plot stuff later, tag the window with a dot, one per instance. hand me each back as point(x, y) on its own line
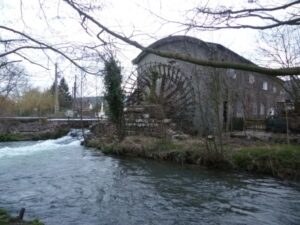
point(232, 73)
point(251, 79)
point(262, 109)
point(271, 111)
point(265, 85)
point(274, 89)
point(254, 108)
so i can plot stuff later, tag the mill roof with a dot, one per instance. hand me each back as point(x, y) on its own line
point(192, 40)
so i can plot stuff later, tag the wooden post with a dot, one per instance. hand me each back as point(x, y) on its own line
point(56, 103)
point(21, 214)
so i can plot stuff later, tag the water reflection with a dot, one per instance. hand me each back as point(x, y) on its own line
point(219, 197)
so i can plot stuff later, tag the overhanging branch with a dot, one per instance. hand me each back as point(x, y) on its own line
point(46, 46)
point(20, 48)
point(185, 58)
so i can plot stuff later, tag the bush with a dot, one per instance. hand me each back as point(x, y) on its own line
point(237, 123)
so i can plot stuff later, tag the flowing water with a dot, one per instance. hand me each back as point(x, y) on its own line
point(63, 183)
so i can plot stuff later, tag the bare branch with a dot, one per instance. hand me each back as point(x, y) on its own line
point(226, 18)
point(32, 62)
point(20, 48)
point(229, 11)
point(44, 45)
point(186, 58)
point(2, 64)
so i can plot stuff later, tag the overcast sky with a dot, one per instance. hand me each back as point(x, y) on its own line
point(57, 23)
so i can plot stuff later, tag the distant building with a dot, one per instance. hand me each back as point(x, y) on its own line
point(226, 94)
point(89, 106)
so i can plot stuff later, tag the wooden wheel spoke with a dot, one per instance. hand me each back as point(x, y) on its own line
point(173, 90)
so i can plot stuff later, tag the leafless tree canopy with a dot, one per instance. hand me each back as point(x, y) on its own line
point(281, 46)
point(286, 13)
point(87, 17)
point(255, 16)
point(12, 78)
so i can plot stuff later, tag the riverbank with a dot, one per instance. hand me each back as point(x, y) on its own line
point(35, 136)
point(278, 160)
point(6, 219)
point(31, 131)
point(253, 156)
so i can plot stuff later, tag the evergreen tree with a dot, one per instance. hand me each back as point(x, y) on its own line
point(64, 96)
point(114, 94)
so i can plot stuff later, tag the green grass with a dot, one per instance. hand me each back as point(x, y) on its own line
point(280, 160)
point(6, 219)
point(185, 151)
point(277, 160)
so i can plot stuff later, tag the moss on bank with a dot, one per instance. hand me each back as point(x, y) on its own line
point(11, 137)
point(6, 219)
point(34, 136)
point(277, 160)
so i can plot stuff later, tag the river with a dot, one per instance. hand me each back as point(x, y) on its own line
point(63, 183)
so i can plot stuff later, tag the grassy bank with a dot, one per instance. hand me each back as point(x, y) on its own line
point(277, 160)
point(6, 219)
point(34, 136)
point(189, 151)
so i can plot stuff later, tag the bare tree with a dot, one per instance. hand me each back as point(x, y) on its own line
point(281, 46)
point(259, 16)
point(12, 78)
point(71, 52)
point(220, 19)
point(88, 21)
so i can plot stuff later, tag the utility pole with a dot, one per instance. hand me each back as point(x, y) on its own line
point(81, 86)
point(81, 103)
point(74, 94)
point(56, 104)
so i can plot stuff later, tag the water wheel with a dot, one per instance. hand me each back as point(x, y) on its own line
point(167, 86)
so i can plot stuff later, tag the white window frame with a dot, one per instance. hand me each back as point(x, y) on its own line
point(251, 79)
point(232, 73)
point(265, 85)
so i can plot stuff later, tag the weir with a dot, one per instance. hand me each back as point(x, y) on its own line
point(72, 122)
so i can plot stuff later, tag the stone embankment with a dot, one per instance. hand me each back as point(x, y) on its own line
point(13, 130)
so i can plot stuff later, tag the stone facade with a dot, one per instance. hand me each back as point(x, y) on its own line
point(146, 120)
point(220, 94)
